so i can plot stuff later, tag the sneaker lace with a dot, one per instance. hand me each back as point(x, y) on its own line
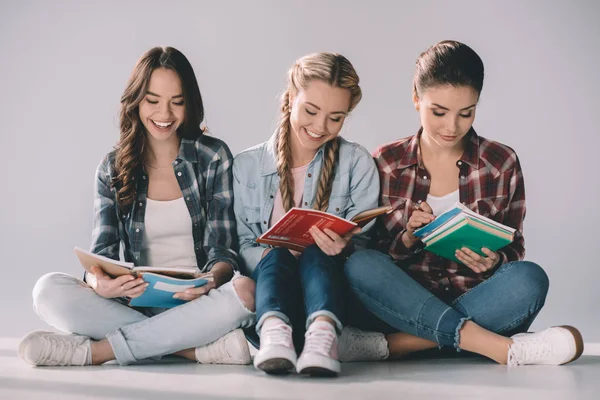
point(319, 341)
point(528, 351)
point(276, 335)
point(59, 349)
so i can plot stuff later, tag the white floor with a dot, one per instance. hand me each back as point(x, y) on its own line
point(447, 379)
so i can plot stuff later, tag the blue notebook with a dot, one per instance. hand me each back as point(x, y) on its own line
point(161, 289)
point(436, 223)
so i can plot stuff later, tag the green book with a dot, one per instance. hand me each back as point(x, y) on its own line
point(468, 233)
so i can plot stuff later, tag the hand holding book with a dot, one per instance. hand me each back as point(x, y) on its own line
point(476, 262)
point(464, 236)
point(109, 288)
point(330, 242)
point(294, 230)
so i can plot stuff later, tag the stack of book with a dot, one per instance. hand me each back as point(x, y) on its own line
point(460, 227)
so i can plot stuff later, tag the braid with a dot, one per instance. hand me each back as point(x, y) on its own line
point(284, 156)
point(327, 175)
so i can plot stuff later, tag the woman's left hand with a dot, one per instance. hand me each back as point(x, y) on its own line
point(194, 293)
point(219, 274)
point(476, 262)
point(330, 242)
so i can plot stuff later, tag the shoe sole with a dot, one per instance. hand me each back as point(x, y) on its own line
point(578, 342)
point(276, 366)
point(319, 372)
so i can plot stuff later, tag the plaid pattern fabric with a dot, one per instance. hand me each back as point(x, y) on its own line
point(203, 170)
point(490, 183)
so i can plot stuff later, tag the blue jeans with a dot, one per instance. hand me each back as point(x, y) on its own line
point(299, 290)
point(384, 298)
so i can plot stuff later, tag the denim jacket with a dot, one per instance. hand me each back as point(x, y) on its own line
point(203, 171)
point(255, 184)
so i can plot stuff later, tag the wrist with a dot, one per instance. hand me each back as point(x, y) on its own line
point(222, 272)
point(409, 239)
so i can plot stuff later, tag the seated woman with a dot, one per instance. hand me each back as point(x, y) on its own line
point(165, 193)
point(305, 164)
point(482, 304)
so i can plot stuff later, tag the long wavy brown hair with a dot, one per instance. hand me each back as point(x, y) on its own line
point(335, 70)
point(131, 149)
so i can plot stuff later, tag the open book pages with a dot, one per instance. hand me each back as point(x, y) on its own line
point(117, 268)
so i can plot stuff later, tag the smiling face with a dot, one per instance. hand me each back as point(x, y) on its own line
point(447, 114)
point(317, 116)
point(162, 110)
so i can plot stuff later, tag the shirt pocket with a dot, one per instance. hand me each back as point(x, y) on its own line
point(251, 215)
point(339, 205)
point(493, 207)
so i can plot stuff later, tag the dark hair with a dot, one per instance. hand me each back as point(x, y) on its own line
point(131, 148)
point(448, 63)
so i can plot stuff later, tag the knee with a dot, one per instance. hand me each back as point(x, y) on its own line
point(278, 259)
point(313, 251)
point(533, 280)
point(245, 288)
point(51, 292)
point(362, 264)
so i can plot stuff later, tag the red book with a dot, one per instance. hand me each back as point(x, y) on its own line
point(291, 231)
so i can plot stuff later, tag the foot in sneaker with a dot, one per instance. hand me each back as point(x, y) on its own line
point(53, 349)
point(276, 354)
point(320, 354)
point(356, 345)
point(229, 349)
point(554, 346)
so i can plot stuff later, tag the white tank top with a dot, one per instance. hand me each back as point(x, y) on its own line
point(167, 239)
point(444, 203)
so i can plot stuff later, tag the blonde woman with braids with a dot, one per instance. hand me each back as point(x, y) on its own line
point(165, 194)
point(304, 164)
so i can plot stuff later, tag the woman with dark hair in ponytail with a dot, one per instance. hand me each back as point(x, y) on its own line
point(165, 194)
point(485, 303)
point(304, 164)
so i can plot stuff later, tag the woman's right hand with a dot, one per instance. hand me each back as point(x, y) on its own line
point(421, 216)
point(109, 288)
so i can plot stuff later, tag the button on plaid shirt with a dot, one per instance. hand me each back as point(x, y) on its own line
point(203, 171)
point(490, 183)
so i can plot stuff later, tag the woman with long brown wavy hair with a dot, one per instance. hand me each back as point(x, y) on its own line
point(305, 164)
point(165, 193)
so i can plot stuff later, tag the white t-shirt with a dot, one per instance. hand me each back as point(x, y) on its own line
point(167, 239)
point(444, 203)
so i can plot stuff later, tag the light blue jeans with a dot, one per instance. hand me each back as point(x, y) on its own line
point(384, 298)
point(137, 333)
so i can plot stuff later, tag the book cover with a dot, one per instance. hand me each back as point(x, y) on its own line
point(469, 234)
point(161, 289)
point(458, 212)
point(292, 230)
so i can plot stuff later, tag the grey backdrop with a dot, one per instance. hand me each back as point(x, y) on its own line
point(64, 65)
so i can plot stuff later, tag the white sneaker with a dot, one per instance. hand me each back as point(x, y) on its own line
point(50, 348)
point(554, 346)
point(276, 354)
point(356, 345)
point(229, 349)
point(320, 354)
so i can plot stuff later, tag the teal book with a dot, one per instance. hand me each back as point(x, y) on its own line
point(161, 289)
point(469, 233)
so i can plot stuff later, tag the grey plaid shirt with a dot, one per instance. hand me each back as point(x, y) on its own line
point(203, 170)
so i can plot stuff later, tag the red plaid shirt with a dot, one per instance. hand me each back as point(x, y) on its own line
point(490, 183)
